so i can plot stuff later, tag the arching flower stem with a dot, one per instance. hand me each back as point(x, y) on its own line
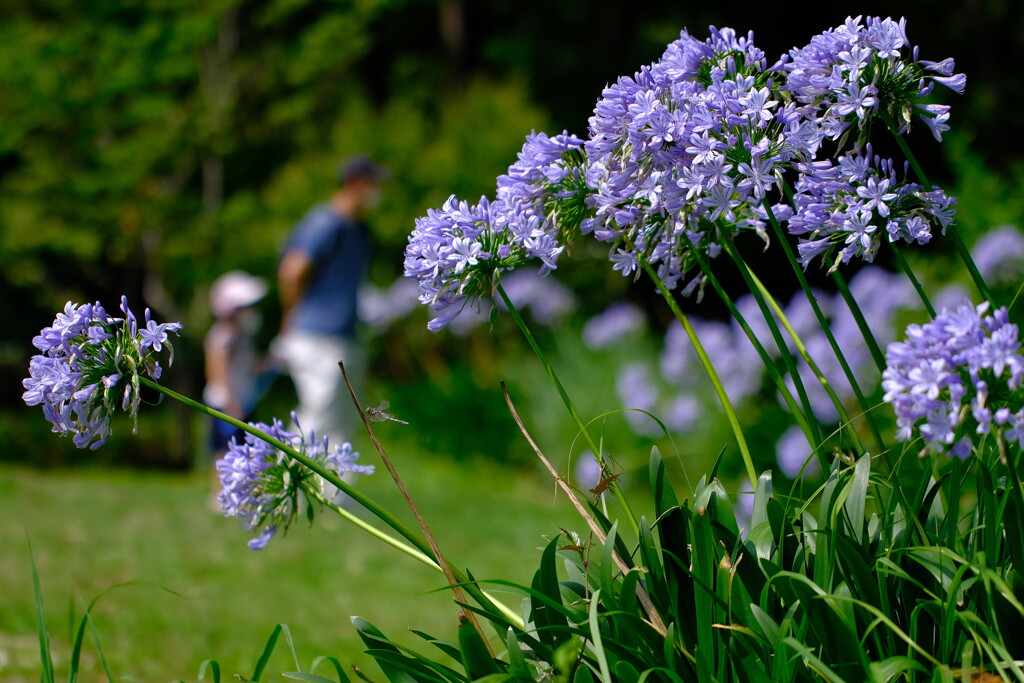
point(780, 235)
point(958, 242)
point(417, 548)
point(800, 412)
point(858, 316)
point(901, 263)
point(709, 368)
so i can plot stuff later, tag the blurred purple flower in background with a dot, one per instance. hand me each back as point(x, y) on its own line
point(999, 255)
point(682, 413)
point(382, 307)
point(547, 299)
point(950, 296)
point(675, 355)
point(738, 365)
point(638, 391)
point(881, 296)
point(611, 326)
point(793, 452)
point(587, 471)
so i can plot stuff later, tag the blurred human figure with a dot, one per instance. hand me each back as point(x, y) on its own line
point(233, 365)
point(319, 277)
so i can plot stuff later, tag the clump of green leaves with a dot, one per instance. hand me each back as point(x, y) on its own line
point(875, 577)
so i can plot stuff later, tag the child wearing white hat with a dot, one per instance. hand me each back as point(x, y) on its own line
point(232, 362)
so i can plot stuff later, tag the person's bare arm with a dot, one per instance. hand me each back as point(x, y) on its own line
point(217, 350)
point(292, 278)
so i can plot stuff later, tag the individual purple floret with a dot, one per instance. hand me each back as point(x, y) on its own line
point(953, 378)
point(853, 73)
point(261, 485)
point(90, 363)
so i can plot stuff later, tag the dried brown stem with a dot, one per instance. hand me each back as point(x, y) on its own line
point(460, 596)
point(654, 619)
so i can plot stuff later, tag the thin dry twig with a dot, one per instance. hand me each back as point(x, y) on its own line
point(460, 596)
point(654, 619)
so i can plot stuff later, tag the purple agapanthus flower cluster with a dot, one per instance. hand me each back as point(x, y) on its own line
point(852, 73)
point(955, 377)
point(262, 486)
point(691, 144)
point(89, 364)
point(456, 253)
point(693, 149)
point(856, 203)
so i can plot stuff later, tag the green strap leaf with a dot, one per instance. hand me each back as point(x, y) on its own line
point(475, 656)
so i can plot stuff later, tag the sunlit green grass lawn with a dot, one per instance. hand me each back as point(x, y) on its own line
point(93, 529)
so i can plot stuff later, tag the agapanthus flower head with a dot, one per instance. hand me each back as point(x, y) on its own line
point(456, 253)
point(264, 487)
point(90, 363)
point(850, 74)
point(955, 378)
point(548, 168)
point(858, 202)
point(690, 146)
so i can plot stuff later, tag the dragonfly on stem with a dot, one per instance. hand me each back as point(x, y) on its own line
point(378, 414)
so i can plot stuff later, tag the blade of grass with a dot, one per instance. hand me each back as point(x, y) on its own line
point(213, 666)
point(45, 658)
point(595, 638)
point(338, 668)
point(268, 649)
point(94, 632)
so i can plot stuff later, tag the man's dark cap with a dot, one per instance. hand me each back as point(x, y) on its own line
point(360, 166)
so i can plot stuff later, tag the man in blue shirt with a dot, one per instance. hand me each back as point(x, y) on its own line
point(318, 279)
